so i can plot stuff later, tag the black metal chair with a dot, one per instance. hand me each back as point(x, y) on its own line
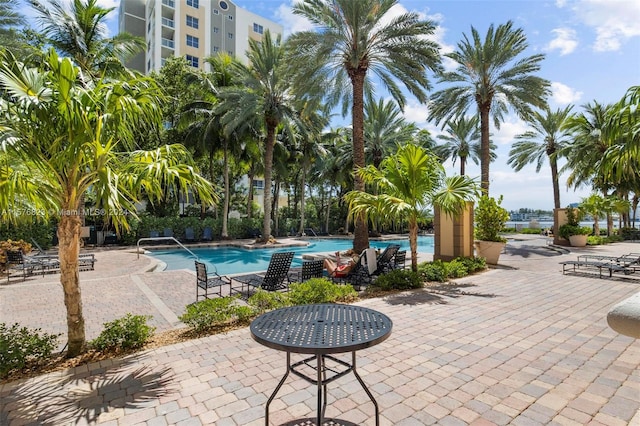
point(310, 269)
point(385, 260)
point(209, 283)
point(276, 277)
point(400, 259)
point(356, 276)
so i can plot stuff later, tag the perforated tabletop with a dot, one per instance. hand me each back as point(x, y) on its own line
point(321, 329)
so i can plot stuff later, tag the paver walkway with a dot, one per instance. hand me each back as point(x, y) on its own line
point(522, 346)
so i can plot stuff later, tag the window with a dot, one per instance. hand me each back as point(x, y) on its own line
point(192, 22)
point(216, 30)
point(194, 61)
point(216, 48)
point(230, 35)
point(216, 12)
point(230, 17)
point(258, 28)
point(258, 184)
point(193, 41)
point(193, 3)
point(223, 5)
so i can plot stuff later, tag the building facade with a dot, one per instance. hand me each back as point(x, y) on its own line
point(194, 29)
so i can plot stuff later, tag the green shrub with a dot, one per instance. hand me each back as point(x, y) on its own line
point(456, 269)
point(399, 279)
point(263, 301)
point(208, 313)
point(19, 346)
point(473, 264)
point(128, 332)
point(433, 271)
point(320, 290)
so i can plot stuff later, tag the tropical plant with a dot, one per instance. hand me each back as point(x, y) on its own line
point(62, 137)
point(81, 33)
point(491, 76)
point(572, 227)
point(262, 97)
point(353, 38)
point(547, 140)
point(490, 218)
point(384, 129)
point(409, 182)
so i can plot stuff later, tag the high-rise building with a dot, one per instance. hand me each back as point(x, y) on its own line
point(194, 29)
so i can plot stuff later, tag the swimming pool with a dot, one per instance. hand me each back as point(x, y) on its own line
point(235, 260)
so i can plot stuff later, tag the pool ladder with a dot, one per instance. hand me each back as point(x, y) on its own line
point(163, 239)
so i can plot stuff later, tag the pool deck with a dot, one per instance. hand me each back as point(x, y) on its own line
point(520, 344)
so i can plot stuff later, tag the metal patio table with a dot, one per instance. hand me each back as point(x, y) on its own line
point(321, 330)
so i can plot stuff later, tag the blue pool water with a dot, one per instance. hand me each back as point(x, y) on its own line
point(235, 260)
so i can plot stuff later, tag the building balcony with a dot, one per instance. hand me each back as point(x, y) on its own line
point(168, 43)
point(166, 22)
point(169, 3)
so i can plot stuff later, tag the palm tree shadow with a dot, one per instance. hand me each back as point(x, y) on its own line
point(58, 399)
point(526, 251)
point(434, 295)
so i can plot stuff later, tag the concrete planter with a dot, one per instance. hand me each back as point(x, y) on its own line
point(578, 240)
point(490, 250)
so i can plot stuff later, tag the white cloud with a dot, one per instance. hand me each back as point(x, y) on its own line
point(565, 41)
point(614, 21)
point(291, 23)
point(509, 128)
point(564, 95)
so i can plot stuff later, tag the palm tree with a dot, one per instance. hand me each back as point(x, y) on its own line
point(410, 181)
point(491, 76)
point(356, 37)
point(461, 140)
point(80, 33)
point(547, 139)
point(384, 129)
point(263, 93)
point(61, 138)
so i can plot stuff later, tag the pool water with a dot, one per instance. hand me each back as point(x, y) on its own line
point(235, 260)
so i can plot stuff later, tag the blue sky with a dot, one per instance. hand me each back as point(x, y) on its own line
point(592, 50)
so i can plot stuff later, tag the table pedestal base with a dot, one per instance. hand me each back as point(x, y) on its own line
point(321, 381)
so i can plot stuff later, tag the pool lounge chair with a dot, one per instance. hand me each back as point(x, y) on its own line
point(189, 235)
point(23, 265)
point(207, 234)
point(276, 278)
point(586, 266)
point(209, 283)
point(357, 276)
point(385, 261)
point(310, 269)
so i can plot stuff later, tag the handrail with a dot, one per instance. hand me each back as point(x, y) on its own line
point(161, 239)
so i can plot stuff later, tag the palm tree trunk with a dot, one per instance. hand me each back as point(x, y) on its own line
point(328, 210)
point(69, 230)
point(225, 208)
point(268, 165)
point(302, 185)
point(463, 162)
point(413, 243)
point(554, 179)
point(485, 152)
point(275, 206)
point(360, 233)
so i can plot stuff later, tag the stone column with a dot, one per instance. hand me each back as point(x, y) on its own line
point(453, 234)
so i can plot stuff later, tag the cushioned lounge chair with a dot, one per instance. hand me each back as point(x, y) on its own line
point(276, 277)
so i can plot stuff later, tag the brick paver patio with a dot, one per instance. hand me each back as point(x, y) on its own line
point(522, 346)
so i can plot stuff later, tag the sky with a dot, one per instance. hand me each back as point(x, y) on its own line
point(591, 48)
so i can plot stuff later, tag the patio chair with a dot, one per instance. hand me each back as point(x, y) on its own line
point(272, 280)
point(24, 265)
point(207, 234)
point(167, 232)
point(385, 260)
point(310, 269)
point(400, 259)
point(209, 283)
point(189, 235)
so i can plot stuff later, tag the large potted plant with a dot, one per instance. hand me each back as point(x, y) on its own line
point(490, 219)
point(572, 231)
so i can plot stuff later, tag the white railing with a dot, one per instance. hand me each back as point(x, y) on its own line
point(168, 22)
point(168, 43)
point(164, 239)
point(170, 3)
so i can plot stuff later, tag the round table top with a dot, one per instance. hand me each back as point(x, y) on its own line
point(321, 328)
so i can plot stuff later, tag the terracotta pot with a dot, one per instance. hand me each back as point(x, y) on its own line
point(578, 240)
point(490, 250)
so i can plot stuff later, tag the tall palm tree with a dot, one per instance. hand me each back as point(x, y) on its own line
point(264, 93)
point(61, 137)
point(492, 76)
point(461, 140)
point(81, 33)
point(9, 19)
point(547, 139)
point(355, 39)
point(410, 181)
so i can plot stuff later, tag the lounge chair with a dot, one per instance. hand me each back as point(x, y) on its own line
point(168, 232)
point(399, 260)
point(207, 234)
point(209, 283)
point(310, 269)
point(385, 260)
point(273, 280)
point(189, 235)
point(24, 265)
point(357, 276)
point(583, 265)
